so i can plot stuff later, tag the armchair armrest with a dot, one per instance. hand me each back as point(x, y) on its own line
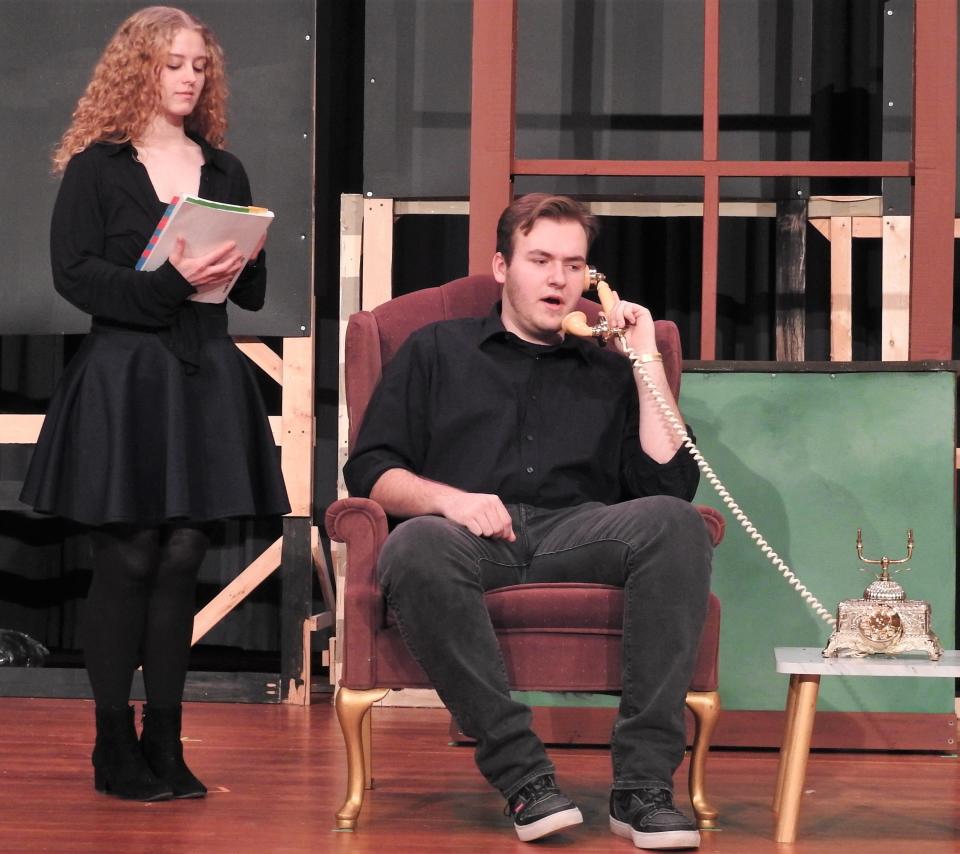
point(714, 520)
point(362, 525)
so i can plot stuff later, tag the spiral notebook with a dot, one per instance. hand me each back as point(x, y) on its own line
point(204, 225)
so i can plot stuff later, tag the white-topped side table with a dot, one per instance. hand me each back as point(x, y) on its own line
point(805, 665)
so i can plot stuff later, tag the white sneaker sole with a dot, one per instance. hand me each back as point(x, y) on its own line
point(656, 841)
point(549, 824)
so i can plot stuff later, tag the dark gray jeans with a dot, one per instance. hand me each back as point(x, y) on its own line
point(435, 573)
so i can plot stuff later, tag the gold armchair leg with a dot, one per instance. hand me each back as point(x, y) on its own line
point(353, 708)
point(366, 733)
point(705, 706)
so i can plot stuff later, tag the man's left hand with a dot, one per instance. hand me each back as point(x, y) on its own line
point(637, 323)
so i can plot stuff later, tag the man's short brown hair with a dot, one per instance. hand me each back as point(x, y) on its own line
point(522, 214)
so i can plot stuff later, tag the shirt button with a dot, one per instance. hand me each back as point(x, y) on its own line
point(529, 469)
point(529, 437)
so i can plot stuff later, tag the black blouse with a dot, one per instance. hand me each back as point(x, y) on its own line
point(105, 212)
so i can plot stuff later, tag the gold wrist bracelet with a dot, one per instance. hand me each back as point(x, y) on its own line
point(643, 358)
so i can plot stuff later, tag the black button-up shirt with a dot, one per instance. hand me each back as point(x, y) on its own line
point(466, 403)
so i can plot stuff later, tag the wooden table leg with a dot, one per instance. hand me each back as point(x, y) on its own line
point(794, 755)
point(787, 742)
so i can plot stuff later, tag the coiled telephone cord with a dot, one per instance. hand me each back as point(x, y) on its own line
point(734, 508)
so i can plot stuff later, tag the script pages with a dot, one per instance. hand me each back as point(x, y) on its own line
point(204, 225)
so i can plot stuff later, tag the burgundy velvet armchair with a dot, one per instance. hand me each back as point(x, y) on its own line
point(580, 624)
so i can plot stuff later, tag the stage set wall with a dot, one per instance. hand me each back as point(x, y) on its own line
point(811, 453)
point(811, 456)
point(802, 79)
point(604, 79)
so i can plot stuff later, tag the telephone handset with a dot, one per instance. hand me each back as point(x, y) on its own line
point(576, 323)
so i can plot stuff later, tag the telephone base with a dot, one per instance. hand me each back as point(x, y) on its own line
point(868, 627)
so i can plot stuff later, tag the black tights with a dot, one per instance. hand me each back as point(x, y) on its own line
point(140, 609)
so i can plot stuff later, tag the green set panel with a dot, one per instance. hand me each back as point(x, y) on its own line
point(811, 457)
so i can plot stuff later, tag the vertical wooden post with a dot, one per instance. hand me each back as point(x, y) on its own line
point(791, 277)
point(351, 247)
point(296, 566)
point(708, 277)
point(895, 318)
point(841, 288)
point(935, 166)
point(377, 279)
point(493, 93)
point(299, 429)
point(296, 586)
point(711, 183)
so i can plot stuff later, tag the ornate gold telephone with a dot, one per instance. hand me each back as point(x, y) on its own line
point(884, 620)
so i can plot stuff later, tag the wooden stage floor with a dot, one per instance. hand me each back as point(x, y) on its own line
point(276, 775)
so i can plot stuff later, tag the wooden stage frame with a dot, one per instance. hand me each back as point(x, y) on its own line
point(366, 281)
point(932, 165)
point(917, 302)
point(839, 219)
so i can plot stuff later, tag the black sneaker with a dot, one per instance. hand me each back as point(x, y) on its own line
point(540, 808)
point(649, 818)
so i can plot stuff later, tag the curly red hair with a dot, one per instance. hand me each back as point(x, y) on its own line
point(123, 94)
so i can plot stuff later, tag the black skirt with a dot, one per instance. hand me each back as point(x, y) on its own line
point(131, 436)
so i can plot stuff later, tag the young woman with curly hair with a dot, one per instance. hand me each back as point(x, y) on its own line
point(157, 427)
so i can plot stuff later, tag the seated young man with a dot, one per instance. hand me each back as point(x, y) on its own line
point(516, 454)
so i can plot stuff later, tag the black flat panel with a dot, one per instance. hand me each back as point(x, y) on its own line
point(605, 79)
point(48, 49)
point(73, 683)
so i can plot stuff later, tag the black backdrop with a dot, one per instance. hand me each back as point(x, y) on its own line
point(612, 78)
point(49, 48)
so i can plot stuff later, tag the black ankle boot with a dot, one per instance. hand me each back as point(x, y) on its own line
point(118, 765)
point(163, 751)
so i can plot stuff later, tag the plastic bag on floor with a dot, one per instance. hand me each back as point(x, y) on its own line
point(20, 650)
